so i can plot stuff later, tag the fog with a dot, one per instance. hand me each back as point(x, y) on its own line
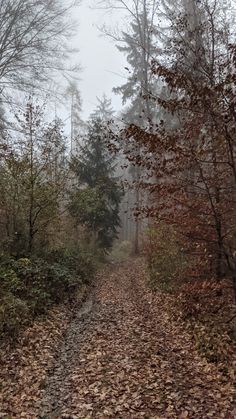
point(102, 64)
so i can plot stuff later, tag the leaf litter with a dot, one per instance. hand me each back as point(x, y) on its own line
point(124, 357)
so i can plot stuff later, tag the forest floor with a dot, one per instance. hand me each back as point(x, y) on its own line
point(122, 356)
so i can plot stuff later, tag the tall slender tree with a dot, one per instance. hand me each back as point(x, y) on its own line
point(140, 44)
point(33, 179)
point(77, 125)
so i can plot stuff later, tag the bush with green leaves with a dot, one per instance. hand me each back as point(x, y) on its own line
point(29, 287)
point(14, 313)
point(78, 260)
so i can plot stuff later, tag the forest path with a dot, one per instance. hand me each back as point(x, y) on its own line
point(124, 357)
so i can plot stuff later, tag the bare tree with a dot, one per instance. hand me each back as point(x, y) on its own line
point(33, 43)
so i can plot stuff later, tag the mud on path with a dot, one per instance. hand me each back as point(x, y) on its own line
point(126, 358)
point(123, 356)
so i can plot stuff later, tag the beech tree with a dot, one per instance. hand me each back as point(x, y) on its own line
point(195, 164)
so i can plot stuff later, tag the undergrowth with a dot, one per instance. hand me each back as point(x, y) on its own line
point(206, 306)
point(29, 287)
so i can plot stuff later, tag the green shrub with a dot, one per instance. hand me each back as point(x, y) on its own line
point(14, 313)
point(39, 301)
point(58, 280)
point(78, 261)
point(29, 287)
point(9, 281)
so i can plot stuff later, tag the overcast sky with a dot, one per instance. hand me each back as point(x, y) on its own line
point(98, 57)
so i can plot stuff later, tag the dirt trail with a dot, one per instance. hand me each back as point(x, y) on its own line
point(124, 357)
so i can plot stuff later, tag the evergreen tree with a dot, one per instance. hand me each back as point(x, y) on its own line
point(140, 45)
point(196, 36)
point(103, 109)
point(96, 201)
point(77, 125)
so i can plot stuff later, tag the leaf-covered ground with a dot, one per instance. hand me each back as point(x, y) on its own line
point(124, 357)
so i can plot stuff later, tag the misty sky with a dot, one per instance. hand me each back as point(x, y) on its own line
point(99, 58)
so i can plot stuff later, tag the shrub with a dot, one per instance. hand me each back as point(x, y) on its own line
point(14, 313)
point(10, 281)
point(78, 260)
point(213, 343)
point(29, 287)
point(165, 259)
point(207, 306)
point(39, 301)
